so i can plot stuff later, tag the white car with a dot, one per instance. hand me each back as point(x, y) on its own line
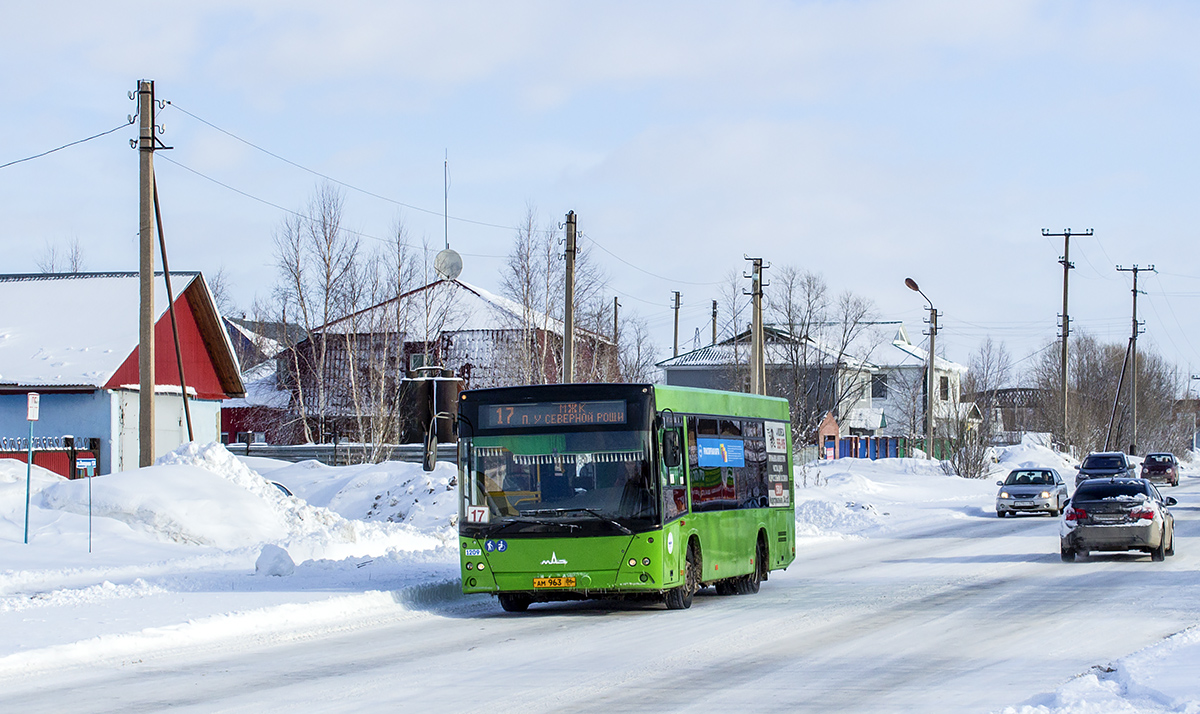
point(1032, 490)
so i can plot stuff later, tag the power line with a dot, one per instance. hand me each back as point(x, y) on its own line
point(297, 214)
point(329, 178)
point(403, 204)
point(64, 146)
point(643, 270)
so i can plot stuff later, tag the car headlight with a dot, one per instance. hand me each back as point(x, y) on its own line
point(1045, 494)
point(1004, 494)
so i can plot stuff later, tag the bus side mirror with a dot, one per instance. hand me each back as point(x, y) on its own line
point(672, 453)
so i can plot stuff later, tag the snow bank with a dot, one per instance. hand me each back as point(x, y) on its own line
point(850, 498)
point(1159, 678)
point(393, 491)
point(203, 495)
point(1033, 452)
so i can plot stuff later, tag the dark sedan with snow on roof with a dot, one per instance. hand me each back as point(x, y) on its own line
point(1117, 514)
point(1031, 491)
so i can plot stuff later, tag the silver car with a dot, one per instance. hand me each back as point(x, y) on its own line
point(1032, 490)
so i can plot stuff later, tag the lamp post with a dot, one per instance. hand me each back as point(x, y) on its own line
point(929, 383)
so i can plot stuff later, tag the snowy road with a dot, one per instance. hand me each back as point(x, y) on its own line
point(970, 615)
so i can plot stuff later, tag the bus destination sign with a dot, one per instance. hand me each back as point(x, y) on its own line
point(500, 416)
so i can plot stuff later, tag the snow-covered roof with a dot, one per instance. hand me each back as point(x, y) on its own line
point(778, 343)
point(76, 329)
point(910, 354)
point(458, 307)
point(262, 389)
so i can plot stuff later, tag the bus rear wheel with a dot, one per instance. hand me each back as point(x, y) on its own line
point(680, 598)
point(514, 602)
point(749, 584)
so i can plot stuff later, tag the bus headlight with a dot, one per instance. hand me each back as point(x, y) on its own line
point(483, 566)
point(633, 562)
point(470, 565)
point(645, 561)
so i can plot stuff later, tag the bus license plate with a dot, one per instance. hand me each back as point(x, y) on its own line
point(554, 582)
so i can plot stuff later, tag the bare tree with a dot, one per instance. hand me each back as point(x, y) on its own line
point(637, 351)
point(315, 257)
point(1094, 375)
point(967, 434)
point(52, 260)
point(534, 278)
point(821, 348)
point(220, 284)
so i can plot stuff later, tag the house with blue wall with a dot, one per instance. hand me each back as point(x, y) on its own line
point(73, 339)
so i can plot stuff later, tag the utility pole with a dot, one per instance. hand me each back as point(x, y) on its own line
point(714, 325)
point(758, 376)
point(675, 350)
point(1067, 265)
point(569, 314)
point(616, 344)
point(146, 145)
point(1133, 370)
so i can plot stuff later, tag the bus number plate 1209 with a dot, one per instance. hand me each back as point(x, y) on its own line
point(554, 582)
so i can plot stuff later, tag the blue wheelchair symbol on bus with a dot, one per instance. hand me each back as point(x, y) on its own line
point(495, 546)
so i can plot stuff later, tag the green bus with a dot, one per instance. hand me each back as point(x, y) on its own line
point(626, 491)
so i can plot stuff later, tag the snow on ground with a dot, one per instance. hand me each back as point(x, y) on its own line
point(393, 491)
point(204, 544)
point(179, 542)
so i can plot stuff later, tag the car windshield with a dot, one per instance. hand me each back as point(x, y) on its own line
point(543, 483)
point(1033, 478)
point(1103, 462)
point(1101, 490)
point(1159, 459)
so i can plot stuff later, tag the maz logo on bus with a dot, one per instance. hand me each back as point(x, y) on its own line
point(554, 560)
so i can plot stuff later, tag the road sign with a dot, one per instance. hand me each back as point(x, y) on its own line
point(32, 403)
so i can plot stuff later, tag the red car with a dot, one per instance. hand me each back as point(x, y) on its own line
point(1162, 467)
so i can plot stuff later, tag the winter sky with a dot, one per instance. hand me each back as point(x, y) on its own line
point(868, 141)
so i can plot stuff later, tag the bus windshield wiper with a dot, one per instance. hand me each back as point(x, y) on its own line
point(517, 520)
point(597, 514)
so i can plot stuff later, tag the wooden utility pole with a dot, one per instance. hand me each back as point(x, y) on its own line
point(758, 376)
point(616, 343)
point(146, 146)
point(1067, 265)
point(1133, 363)
point(569, 308)
point(714, 324)
point(675, 349)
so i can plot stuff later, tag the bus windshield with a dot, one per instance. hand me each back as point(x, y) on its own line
point(563, 483)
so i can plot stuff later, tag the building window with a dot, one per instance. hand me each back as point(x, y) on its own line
point(879, 386)
point(416, 361)
point(944, 388)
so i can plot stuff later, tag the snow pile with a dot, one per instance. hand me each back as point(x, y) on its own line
point(1159, 678)
point(12, 495)
point(274, 561)
point(393, 491)
point(203, 495)
point(858, 497)
point(1033, 452)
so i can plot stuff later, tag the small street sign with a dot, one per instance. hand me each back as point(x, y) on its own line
point(32, 404)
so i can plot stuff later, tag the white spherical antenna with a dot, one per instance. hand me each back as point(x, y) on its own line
point(448, 264)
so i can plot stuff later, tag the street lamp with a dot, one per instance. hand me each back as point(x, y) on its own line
point(929, 386)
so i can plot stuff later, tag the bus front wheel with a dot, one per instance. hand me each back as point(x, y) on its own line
point(514, 602)
point(680, 598)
